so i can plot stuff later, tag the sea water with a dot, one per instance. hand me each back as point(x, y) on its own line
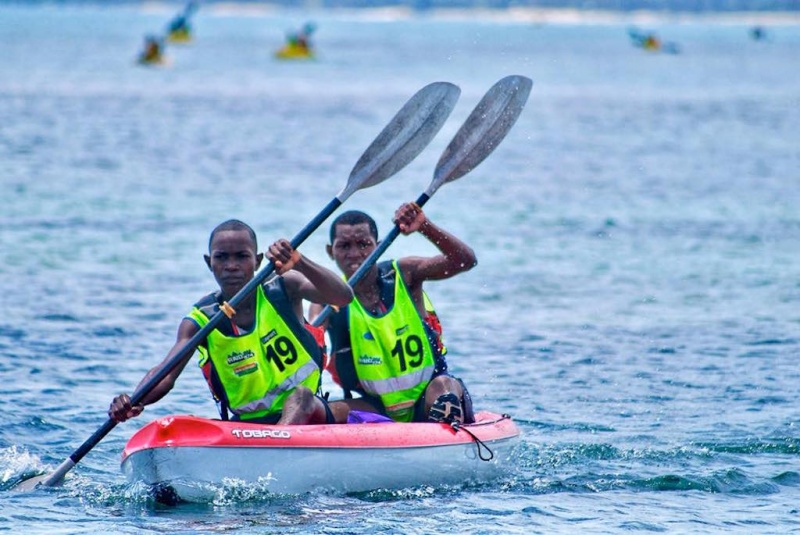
point(636, 306)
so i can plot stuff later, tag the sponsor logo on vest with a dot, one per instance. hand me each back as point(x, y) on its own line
point(233, 358)
point(368, 336)
point(401, 330)
point(369, 360)
point(245, 369)
point(269, 336)
point(261, 433)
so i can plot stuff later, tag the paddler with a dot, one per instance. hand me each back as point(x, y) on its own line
point(152, 51)
point(298, 44)
point(386, 345)
point(179, 28)
point(302, 38)
point(261, 362)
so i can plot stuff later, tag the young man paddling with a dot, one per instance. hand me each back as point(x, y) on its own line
point(386, 345)
point(262, 364)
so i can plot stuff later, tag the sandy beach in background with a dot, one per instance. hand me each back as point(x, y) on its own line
point(522, 15)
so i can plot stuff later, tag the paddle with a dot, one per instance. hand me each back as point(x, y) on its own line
point(480, 134)
point(409, 131)
point(181, 20)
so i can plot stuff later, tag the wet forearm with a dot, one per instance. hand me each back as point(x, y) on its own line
point(330, 287)
point(158, 391)
point(459, 254)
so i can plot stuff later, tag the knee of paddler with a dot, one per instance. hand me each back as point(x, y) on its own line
point(302, 394)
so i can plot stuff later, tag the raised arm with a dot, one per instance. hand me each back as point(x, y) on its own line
point(305, 279)
point(456, 256)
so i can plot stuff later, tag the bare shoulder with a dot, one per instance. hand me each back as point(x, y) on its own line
point(412, 268)
point(411, 263)
point(293, 280)
point(187, 328)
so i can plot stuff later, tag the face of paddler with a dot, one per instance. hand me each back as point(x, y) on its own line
point(233, 260)
point(352, 245)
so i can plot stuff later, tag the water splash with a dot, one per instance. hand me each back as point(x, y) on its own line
point(17, 465)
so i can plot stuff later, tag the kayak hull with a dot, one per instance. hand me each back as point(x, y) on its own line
point(180, 36)
point(193, 458)
point(291, 51)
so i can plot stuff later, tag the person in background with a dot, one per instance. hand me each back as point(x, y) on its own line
point(647, 41)
point(758, 33)
point(261, 362)
point(302, 38)
point(153, 50)
point(179, 28)
point(386, 345)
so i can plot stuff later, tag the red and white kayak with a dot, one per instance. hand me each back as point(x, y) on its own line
point(190, 458)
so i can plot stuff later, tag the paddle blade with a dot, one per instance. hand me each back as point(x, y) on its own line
point(47, 480)
point(483, 130)
point(410, 131)
point(30, 484)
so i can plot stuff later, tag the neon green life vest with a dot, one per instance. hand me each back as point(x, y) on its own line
point(391, 354)
point(260, 369)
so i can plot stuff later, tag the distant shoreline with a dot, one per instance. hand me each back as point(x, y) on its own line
point(569, 16)
point(523, 15)
point(513, 15)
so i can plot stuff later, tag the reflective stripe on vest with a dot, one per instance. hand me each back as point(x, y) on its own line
point(289, 384)
point(391, 353)
point(393, 384)
point(259, 370)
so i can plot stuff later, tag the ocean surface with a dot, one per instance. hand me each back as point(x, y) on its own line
point(635, 309)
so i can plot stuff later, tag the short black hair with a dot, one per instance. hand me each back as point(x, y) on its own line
point(233, 224)
point(354, 217)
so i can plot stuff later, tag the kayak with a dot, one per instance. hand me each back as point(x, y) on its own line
point(187, 458)
point(294, 51)
point(182, 35)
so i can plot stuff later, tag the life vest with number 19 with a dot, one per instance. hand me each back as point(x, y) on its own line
point(258, 370)
point(391, 353)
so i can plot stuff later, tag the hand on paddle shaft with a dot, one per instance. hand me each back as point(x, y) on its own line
point(283, 255)
point(477, 138)
point(406, 135)
point(409, 218)
point(122, 409)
